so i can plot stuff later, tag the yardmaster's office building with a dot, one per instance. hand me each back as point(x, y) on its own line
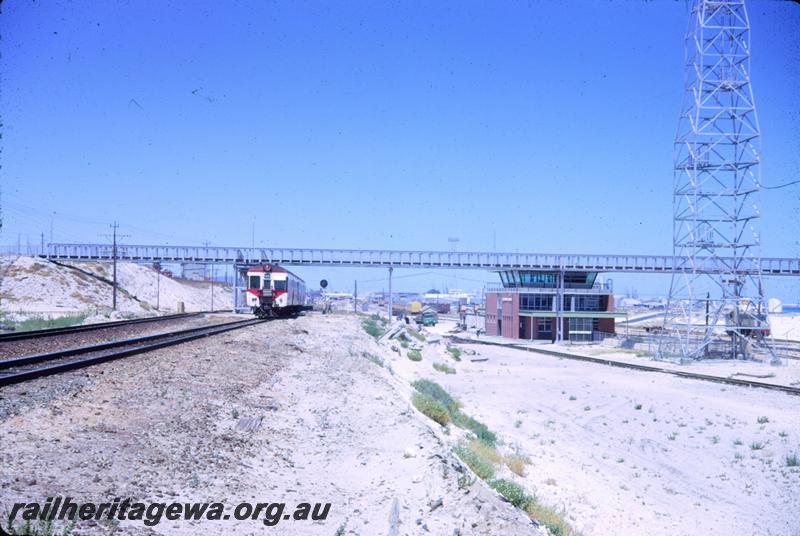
point(526, 306)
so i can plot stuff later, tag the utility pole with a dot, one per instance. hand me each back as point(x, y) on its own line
point(212, 287)
point(391, 269)
point(158, 288)
point(114, 237)
point(355, 296)
point(205, 267)
point(114, 256)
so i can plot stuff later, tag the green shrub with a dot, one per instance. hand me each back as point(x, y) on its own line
point(441, 367)
point(414, 355)
point(435, 391)
point(455, 352)
point(370, 325)
point(431, 408)
point(480, 430)
point(40, 322)
point(513, 493)
point(792, 460)
point(404, 343)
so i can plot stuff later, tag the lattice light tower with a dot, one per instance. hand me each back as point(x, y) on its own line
point(715, 182)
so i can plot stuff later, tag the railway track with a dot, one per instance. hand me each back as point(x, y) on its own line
point(49, 332)
point(646, 368)
point(24, 368)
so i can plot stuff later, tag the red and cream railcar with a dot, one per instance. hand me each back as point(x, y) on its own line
point(274, 291)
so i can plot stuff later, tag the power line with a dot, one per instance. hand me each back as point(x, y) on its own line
point(780, 185)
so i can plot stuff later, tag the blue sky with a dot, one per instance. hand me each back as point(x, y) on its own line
point(375, 125)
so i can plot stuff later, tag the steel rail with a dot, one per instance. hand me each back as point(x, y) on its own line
point(645, 368)
point(148, 343)
point(48, 332)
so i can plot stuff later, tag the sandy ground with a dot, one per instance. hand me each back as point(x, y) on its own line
point(628, 452)
point(785, 326)
point(288, 411)
point(786, 373)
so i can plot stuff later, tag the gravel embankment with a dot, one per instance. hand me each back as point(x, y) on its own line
point(287, 411)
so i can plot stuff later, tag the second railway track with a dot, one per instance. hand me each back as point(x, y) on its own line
point(51, 332)
point(24, 368)
point(644, 368)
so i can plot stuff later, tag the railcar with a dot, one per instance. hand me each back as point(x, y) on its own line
point(274, 291)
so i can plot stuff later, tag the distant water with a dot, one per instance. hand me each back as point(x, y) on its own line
point(791, 308)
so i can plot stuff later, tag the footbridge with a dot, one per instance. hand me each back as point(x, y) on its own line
point(769, 266)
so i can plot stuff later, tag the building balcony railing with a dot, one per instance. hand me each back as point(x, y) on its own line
point(597, 288)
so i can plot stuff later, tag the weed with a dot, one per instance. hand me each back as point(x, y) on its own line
point(637, 407)
point(475, 426)
point(512, 492)
point(235, 413)
point(715, 439)
point(762, 420)
point(517, 423)
point(738, 456)
point(455, 352)
point(341, 529)
point(516, 463)
point(404, 343)
point(672, 436)
point(372, 328)
point(466, 481)
point(414, 355)
point(783, 434)
point(737, 441)
point(620, 460)
point(587, 408)
point(435, 391)
point(41, 528)
point(573, 397)
point(552, 519)
point(441, 367)
point(374, 359)
point(792, 460)
point(479, 464)
point(756, 445)
point(431, 408)
point(485, 450)
point(416, 334)
point(40, 322)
